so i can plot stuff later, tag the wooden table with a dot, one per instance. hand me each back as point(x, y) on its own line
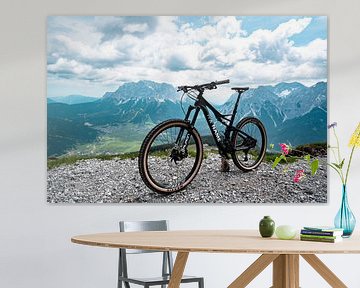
point(284, 254)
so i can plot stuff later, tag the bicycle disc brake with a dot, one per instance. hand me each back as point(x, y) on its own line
point(177, 155)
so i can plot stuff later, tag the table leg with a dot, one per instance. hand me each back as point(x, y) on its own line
point(178, 269)
point(253, 270)
point(286, 271)
point(324, 271)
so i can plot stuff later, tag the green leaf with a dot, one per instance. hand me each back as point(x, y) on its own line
point(342, 163)
point(276, 161)
point(314, 166)
point(307, 158)
point(339, 166)
point(283, 157)
point(271, 146)
point(334, 167)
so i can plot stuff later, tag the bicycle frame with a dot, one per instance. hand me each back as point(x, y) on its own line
point(183, 159)
point(202, 104)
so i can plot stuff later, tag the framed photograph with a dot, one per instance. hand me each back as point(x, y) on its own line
point(187, 109)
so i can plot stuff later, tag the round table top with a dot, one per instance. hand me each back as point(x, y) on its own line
point(217, 241)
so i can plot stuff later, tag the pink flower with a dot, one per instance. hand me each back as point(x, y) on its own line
point(299, 174)
point(284, 148)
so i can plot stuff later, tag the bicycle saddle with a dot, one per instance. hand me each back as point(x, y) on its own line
point(240, 89)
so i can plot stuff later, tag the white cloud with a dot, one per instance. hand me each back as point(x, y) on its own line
point(229, 27)
point(66, 67)
point(131, 28)
point(166, 25)
point(102, 51)
point(272, 46)
point(292, 27)
point(315, 51)
point(118, 49)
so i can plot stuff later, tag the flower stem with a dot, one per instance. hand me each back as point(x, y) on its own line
point(338, 146)
point(332, 150)
point(337, 171)
point(348, 166)
point(339, 160)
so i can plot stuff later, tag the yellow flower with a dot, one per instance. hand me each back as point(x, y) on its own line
point(355, 138)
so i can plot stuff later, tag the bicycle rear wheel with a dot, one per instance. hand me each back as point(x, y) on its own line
point(249, 144)
point(170, 156)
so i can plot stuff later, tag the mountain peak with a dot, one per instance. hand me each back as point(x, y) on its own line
point(143, 89)
point(289, 84)
point(284, 89)
point(292, 99)
point(320, 84)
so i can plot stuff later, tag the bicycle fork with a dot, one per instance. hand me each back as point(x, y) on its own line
point(180, 150)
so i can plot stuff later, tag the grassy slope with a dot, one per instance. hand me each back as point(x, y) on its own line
point(270, 157)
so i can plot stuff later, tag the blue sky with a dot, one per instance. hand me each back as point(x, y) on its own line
point(316, 29)
point(90, 55)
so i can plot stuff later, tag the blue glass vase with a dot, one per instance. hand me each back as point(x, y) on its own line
point(345, 219)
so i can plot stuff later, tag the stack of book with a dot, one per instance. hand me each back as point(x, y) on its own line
point(321, 234)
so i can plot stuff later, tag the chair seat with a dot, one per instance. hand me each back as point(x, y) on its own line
point(158, 280)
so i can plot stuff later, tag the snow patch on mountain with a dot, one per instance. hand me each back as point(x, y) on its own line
point(284, 93)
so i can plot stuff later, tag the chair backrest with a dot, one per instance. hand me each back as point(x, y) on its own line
point(134, 226)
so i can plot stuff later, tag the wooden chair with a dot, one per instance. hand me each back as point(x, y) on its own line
point(163, 280)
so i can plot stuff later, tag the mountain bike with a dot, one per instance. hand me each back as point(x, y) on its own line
point(171, 154)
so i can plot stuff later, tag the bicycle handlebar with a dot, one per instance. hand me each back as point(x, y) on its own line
point(222, 82)
point(209, 86)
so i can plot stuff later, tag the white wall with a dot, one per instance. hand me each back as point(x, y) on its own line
point(35, 248)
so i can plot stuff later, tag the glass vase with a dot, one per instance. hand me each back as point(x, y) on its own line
point(345, 219)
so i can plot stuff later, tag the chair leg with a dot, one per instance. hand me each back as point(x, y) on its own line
point(126, 284)
point(201, 283)
point(119, 270)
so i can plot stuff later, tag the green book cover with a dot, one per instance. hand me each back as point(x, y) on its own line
point(321, 239)
point(319, 236)
point(323, 228)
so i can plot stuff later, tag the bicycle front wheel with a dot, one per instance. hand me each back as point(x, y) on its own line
point(249, 144)
point(170, 156)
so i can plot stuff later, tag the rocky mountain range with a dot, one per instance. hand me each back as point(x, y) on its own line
point(145, 89)
point(72, 99)
point(291, 112)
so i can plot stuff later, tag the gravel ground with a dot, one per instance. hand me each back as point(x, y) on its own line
point(118, 181)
